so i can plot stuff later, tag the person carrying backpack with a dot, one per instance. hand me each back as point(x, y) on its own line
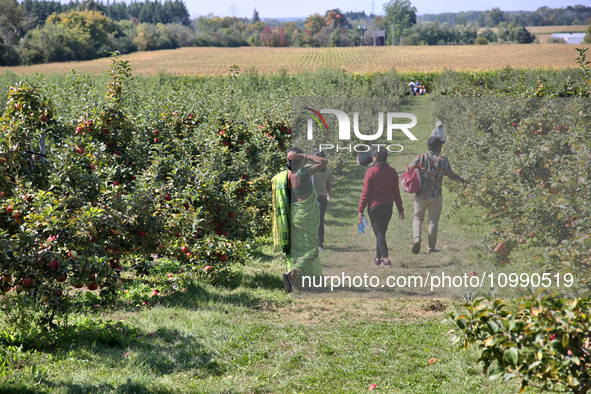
point(433, 168)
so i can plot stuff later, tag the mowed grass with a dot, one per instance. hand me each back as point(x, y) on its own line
point(257, 339)
point(216, 61)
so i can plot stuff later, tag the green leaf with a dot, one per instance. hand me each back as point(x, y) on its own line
point(557, 346)
point(496, 372)
point(511, 356)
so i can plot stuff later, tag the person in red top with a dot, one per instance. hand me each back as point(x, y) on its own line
point(380, 191)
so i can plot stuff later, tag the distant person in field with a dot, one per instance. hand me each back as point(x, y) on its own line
point(380, 191)
point(323, 181)
point(296, 216)
point(412, 87)
point(439, 131)
point(433, 168)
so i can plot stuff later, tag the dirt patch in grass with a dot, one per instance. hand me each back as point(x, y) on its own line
point(316, 311)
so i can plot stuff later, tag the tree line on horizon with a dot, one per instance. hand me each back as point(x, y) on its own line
point(543, 16)
point(35, 31)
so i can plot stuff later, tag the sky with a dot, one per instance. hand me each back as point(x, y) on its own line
point(303, 8)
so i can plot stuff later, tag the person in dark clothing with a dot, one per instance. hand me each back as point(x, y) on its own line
point(380, 191)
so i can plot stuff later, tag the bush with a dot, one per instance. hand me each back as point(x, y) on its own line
point(522, 36)
point(555, 40)
point(480, 41)
point(489, 35)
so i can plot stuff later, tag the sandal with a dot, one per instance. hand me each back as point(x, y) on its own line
point(377, 261)
point(289, 279)
point(387, 263)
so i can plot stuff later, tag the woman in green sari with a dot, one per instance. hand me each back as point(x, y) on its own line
point(296, 216)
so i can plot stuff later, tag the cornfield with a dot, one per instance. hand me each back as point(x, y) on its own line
point(216, 61)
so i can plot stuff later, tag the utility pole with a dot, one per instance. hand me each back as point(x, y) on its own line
point(374, 25)
point(394, 34)
point(362, 29)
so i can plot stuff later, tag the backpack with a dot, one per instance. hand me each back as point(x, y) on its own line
point(364, 159)
point(411, 180)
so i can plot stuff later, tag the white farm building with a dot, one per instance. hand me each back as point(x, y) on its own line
point(570, 38)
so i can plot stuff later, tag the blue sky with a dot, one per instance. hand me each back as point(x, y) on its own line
point(303, 8)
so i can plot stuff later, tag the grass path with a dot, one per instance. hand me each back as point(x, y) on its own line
point(256, 339)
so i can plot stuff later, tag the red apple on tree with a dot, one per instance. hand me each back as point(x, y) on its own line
point(93, 286)
point(28, 282)
point(73, 254)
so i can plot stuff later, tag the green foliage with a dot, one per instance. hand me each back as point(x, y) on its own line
point(539, 195)
point(480, 41)
point(435, 34)
point(401, 14)
point(102, 191)
point(544, 344)
point(522, 36)
point(543, 16)
point(489, 35)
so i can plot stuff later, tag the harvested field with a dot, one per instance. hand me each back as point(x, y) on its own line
point(215, 61)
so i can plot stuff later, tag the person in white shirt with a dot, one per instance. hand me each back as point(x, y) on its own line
point(438, 131)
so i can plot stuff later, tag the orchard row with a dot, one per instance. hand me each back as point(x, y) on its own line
point(79, 201)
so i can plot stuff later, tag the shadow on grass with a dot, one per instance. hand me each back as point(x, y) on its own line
point(197, 294)
point(262, 280)
point(81, 388)
point(258, 254)
point(173, 351)
point(168, 351)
